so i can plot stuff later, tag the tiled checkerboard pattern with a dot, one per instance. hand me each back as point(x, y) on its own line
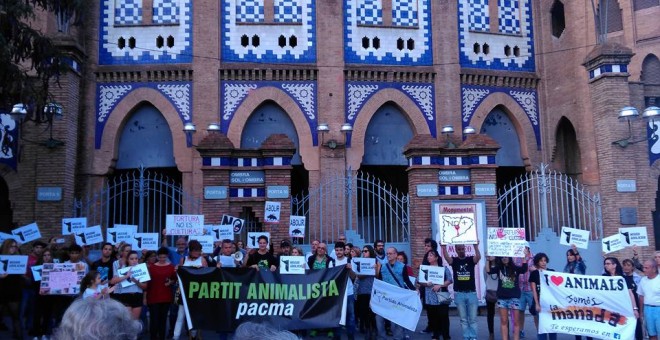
point(509, 16)
point(404, 13)
point(370, 12)
point(479, 18)
point(249, 11)
point(165, 12)
point(128, 12)
point(288, 11)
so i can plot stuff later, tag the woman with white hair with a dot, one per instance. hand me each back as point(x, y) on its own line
point(97, 319)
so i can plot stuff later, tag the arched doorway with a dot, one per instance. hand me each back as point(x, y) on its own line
point(566, 156)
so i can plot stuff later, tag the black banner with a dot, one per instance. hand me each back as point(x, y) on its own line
point(222, 299)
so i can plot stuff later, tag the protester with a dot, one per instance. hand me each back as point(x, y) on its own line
point(10, 290)
point(437, 299)
point(27, 302)
point(649, 299)
point(613, 268)
point(355, 252)
point(194, 259)
point(322, 261)
point(314, 244)
point(97, 319)
point(526, 298)
point(263, 257)
point(364, 285)
point(285, 248)
point(342, 259)
point(159, 293)
point(632, 281)
point(508, 293)
point(342, 239)
point(91, 287)
point(492, 281)
point(43, 313)
point(104, 265)
point(541, 264)
point(465, 291)
point(575, 265)
point(394, 273)
point(379, 248)
point(429, 244)
point(226, 257)
point(130, 296)
point(260, 331)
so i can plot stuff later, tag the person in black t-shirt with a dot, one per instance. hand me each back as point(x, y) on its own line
point(262, 258)
point(540, 263)
point(465, 292)
point(104, 265)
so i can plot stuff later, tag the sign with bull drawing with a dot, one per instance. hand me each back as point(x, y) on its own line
point(297, 226)
point(272, 212)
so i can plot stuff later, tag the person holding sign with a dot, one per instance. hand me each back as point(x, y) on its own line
point(649, 299)
point(365, 284)
point(541, 264)
point(10, 289)
point(159, 293)
point(43, 310)
point(437, 306)
point(130, 296)
point(508, 293)
point(196, 260)
point(262, 258)
point(613, 268)
point(574, 262)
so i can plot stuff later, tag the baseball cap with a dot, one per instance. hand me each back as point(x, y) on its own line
point(285, 243)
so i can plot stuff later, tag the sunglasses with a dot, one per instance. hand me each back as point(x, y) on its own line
point(365, 251)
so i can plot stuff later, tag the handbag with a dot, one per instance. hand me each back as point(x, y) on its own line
point(443, 297)
point(491, 296)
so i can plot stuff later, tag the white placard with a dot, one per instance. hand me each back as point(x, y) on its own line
point(364, 266)
point(399, 305)
point(253, 239)
point(433, 274)
point(292, 265)
point(612, 243)
point(36, 272)
point(206, 241)
point(139, 272)
point(634, 236)
point(578, 237)
point(72, 225)
point(297, 226)
point(272, 212)
point(27, 233)
point(118, 234)
point(227, 261)
point(13, 264)
point(221, 232)
point(148, 241)
point(91, 235)
point(184, 224)
point(505, 242)
point(236, 223)
point(458, 223)
point(5, 236)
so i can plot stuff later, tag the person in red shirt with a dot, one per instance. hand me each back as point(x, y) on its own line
point(159, 293)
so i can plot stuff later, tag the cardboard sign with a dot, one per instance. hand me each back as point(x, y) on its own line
point(505, 242)
point(634, 236)
point(148, 241)
point(61, 278)
point(613, 243)
point(91, 235)
point(253, 239)
point(139, 272)
point(364, 266)
point(13, 264)
point(27, 233)
point(272, 212)
point(578, 237)
point(236, 223)
point(184, 225)
point(206, 241)
point(433, 274)
point(292, 265)
point(73, 225)
point(5, 236)
point(118, 234)
point(227, 261)
point(297, 226)
point(36, 272)
point(458, 223)
point(221, 232)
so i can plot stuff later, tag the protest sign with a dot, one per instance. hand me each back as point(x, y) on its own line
point(227, 261)
point(236, 223)
point(401, 306)
point(596, 306)
point(206, 241)
point(364, 266)
point(221, 232)
point(612, 243)
point(120, 234)
point(297, 226)
point(27, 233)
point(61, 278)
point(88, 236)
point(578, 237)
point(36, 272)
point(148, 241)
point(5, 236)
point(292, 264)
point(272, 212)
point(139, 272)
point(457, 223)
point(506, 242)
point(13, 264)
point(73, 225)
point(433, 274)
point(253, 239)
point(222, 299)
point(634, 236)
point(184, 224)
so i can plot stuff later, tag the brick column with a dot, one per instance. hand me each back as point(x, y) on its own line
point(215, 150)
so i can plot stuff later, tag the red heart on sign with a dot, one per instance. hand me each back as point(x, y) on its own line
point(557, 280)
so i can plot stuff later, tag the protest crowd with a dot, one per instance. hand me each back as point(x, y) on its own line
point(114, 301)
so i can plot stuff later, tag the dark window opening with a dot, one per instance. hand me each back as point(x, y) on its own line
point(558, 18)
point(476, 48)
point(160, 42)
point(170, 41)
point(365, 42)
point(256, 41)
point(399, 44)
point(293, 41)
point(410, 44)
point(131, 43)
point(245, 41)
point(376, 42)
point(121, 43)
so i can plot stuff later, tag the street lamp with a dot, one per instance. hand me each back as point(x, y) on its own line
point(21, 113)
point(630, 113)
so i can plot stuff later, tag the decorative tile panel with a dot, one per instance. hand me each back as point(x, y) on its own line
point(289, 36)
point(510, 46)
point(125, 39)
point(110, 94)
point(303, 93)
point(473, 96)
point(406, 40)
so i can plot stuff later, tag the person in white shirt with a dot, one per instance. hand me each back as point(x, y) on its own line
point(649, 299)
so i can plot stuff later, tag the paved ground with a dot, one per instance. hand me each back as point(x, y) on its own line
point(454, 326)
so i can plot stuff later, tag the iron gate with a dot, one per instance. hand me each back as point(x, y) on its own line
point(359, 205)
point(139, 198)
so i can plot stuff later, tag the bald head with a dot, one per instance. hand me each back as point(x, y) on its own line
point(650, 268)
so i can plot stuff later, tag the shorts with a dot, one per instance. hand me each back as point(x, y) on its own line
point(652, 319)
point(133, 300)
point(513, 303)
point(526, 299)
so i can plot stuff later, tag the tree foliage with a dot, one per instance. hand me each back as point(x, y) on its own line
point(29, 59)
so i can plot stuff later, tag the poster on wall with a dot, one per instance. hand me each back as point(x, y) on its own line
point(457, 223)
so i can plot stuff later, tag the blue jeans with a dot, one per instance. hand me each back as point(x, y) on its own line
point(467, 304)
point(397, 331)
point(350, 314)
